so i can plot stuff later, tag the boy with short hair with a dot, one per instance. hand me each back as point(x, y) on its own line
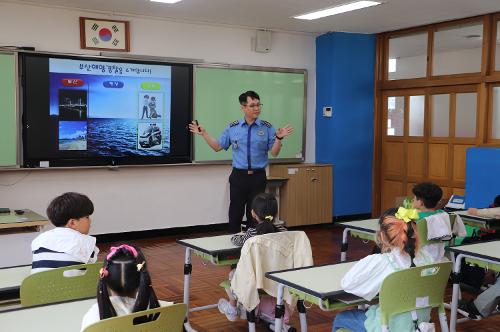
point(426, 198)
point(68, 243)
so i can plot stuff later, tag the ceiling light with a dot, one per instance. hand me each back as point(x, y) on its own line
point(166, 1)
point(337, 10)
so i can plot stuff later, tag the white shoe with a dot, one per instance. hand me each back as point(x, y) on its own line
point(226, 308)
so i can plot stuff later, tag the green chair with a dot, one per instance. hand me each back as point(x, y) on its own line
point(415, 288)
point(56, 286)
point(411, 289)
point(168, 319)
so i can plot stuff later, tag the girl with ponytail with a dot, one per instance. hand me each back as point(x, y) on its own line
point(264, 211)
point(124, 286)
point(399, 243)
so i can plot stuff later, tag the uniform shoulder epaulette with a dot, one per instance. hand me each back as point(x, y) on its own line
point(267, 124)
point(234, 123)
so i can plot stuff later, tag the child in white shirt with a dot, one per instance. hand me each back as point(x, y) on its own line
point(124, 286)
point(398, 242)
point(68, 243)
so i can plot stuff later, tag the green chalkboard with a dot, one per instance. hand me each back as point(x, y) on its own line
point(216, 105)
point(8, 114)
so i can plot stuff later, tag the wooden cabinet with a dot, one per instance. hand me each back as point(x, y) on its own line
point(306, 198)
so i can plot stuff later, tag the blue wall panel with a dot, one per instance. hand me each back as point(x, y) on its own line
point(345, 69)
point(482, 180)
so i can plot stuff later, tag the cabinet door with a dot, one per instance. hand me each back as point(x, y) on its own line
point(320, 195)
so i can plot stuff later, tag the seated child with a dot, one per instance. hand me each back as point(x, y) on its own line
point(124, 286)
point(398, 242)
point(264, 210)
point(426, 197)
point(68, 243)
point(493, 212)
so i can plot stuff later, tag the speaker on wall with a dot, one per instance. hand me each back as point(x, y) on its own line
point(263, 41)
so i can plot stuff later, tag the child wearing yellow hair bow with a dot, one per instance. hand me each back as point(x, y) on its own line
point(264, 210)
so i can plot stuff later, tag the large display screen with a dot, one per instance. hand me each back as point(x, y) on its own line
point(83, 111)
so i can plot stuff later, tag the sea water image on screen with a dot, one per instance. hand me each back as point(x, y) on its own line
point(72, 135)
point(115, 99)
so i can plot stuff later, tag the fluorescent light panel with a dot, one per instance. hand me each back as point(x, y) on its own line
point(166, 1)
point(337, 10)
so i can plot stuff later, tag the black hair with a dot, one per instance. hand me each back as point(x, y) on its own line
point(429, 193)
point(68, 206)
point(146, 96)
point(496, 202)
point(243, 97)
point(124, 274)
point(265, 207)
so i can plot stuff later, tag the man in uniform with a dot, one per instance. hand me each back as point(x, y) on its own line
point(251, 139)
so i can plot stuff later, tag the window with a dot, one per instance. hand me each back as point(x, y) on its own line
point(465, 122)
point(458, 49)
point(408, 56)
point(416, 116)
point(440, 115)
point(495, 123)
point(395, 116)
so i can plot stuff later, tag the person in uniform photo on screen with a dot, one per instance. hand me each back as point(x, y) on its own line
point(250, 139)
point(145, 107)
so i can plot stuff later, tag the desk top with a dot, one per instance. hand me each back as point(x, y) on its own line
point(11, 277)
point(61, 317)
point(27, 219)
point(211, 245)
point(485, 250)
point(320, 281)
point(368, 225)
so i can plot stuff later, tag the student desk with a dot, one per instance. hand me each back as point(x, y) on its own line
point(16, 233)
point(480, 222)
point(485, 254)
point(217, 250)
point(364, 229)
point(316, 284)
point(60, 317)
point(10, 281)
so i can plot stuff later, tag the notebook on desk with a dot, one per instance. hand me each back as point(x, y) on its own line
point(349, 298)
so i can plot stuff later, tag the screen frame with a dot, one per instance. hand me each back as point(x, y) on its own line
point(27, 161)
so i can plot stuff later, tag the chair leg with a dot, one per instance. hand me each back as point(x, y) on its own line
point(443, 321)
point(302, 315)
point(251, 320)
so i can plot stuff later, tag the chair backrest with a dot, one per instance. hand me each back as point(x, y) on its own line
point(55, 285)
point(414, 288)
point(265, 253)
point(422, 231)
point(167, 319)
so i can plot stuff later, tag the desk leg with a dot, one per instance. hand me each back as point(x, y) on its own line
point(343, 248)
point(454, 297)
point(280, 309)
point(187, 278)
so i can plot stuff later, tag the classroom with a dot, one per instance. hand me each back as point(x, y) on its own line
point(360, 107)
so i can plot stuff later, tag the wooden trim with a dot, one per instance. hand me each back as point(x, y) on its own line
point(485, 56)
point(377, 127)
point(430, 48)
point(482, 114)
point(458, 79)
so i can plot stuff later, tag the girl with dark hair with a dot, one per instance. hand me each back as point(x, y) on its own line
point(264, 211)
point(124, 286)
point(398, 242)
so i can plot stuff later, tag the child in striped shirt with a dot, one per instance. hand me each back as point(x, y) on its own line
point(68, 243)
